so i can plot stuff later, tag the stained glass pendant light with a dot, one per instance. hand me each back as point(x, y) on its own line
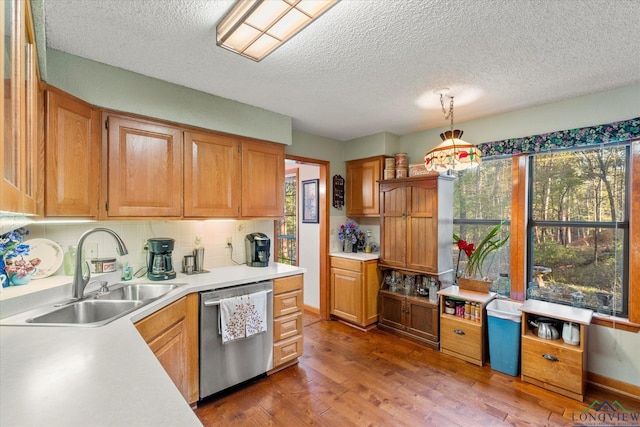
point(452, 153)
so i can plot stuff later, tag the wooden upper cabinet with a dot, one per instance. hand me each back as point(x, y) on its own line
point(416, 224)
point(362, 190)
point(393, 224)
point(211, 169)
point(144, 169)
point(72, 157)
point(18, 149)
point(262, 179)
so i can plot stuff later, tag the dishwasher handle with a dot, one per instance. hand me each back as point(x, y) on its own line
point(211, 303)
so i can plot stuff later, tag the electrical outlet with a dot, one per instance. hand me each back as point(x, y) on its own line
point(90, 250)
point(229, 241)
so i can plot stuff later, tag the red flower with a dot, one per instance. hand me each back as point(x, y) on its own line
point(461, 244)
point(469, 249)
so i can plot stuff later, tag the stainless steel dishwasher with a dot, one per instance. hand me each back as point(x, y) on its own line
point(223, 365)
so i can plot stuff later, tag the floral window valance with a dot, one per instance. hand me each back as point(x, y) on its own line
point(615, 132)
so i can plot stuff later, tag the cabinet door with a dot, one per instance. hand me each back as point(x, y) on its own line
point(362, 187)
point(211, 169)
point(422, 227)
point(392, 310)
point(172, 335)
point(393, 225)
point(144, 169)
point(262, 179)
point(422, 320)
point(18, 152)
point(72, 154)
point(346, 295)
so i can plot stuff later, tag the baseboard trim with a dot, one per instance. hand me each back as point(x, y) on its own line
point(606, 383)
point(312, 310)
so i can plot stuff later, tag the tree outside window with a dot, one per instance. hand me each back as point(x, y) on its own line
point(287, 228)
point(482, 199)
point(578, 228)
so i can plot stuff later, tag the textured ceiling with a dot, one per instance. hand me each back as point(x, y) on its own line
point(368, 66)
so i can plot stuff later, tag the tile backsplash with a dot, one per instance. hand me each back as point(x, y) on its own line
point(213, 237)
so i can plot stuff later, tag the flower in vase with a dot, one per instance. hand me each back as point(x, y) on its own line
point(349, 232)
point(477, 254)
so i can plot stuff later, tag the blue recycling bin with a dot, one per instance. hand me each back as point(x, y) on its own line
point(504, 318)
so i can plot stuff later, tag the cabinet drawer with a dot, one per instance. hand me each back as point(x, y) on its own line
point(287, 350)
point(346, 264)
point(287, 326)
point(287, 303)
point(461, 337)
point(287, 284)
point(552, 363)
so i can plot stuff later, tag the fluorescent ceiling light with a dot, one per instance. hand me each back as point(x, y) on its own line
point(255, 28)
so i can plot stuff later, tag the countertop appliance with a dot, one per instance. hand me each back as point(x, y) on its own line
point(223, 365)
point(159, 262)
point(258, 249)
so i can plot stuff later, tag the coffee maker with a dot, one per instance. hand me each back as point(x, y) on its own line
point(258, 248)
point(159, 262)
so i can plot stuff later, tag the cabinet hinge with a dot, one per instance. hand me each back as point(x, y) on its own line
point(106, 206)
point(106, 124)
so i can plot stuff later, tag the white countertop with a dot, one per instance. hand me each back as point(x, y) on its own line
point(558, 311)
point(358, 256)
point(101, 376)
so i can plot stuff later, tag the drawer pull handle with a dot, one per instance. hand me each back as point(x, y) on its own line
point(550, 357)
point(458, 331)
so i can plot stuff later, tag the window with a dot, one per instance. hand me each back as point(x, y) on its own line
point(286, 245)
point(578, 228)
point(482, 199)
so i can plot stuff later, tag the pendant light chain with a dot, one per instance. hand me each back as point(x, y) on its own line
point(448, 115)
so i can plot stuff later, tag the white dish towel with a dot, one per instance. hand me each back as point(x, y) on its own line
point(243, 316)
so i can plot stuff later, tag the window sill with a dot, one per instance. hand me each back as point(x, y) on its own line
point(615, 322)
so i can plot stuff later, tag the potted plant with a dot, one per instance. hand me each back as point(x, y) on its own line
point(473, 277)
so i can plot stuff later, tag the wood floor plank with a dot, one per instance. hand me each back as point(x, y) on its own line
point(348, 377)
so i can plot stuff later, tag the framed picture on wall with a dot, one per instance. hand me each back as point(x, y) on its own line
point(310, 201)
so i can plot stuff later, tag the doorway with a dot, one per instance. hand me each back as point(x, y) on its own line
point(317, 276)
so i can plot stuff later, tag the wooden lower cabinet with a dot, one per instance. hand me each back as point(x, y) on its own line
point(354, 290)
point(554, 364)
point(288, 305)
point(409, 316)
point(172, 335)
point(464, 338)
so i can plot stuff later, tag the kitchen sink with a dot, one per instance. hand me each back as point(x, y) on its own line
point(95, 309)
point(88, 311)
point(137, 291)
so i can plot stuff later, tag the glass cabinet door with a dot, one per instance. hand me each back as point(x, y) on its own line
point(18, 152)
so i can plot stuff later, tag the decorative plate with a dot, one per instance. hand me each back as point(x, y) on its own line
point(50, 254)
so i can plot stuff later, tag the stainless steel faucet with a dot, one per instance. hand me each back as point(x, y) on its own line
point(80, 280)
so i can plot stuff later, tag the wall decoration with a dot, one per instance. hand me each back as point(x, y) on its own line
point(310, 201)
point(338, 191)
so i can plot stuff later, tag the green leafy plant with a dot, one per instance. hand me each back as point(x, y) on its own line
point(478, 254)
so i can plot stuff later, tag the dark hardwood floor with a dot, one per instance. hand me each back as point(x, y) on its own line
point(352, 378)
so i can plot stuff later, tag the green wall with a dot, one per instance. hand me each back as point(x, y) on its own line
point(114, 88)
point(320, 148)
